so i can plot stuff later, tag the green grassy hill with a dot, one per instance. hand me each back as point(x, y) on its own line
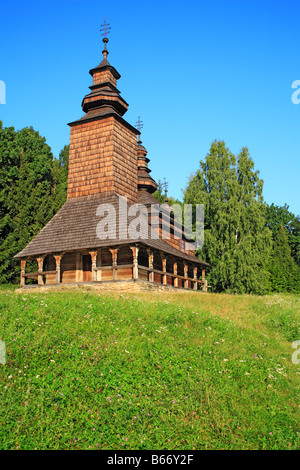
point(148, 371)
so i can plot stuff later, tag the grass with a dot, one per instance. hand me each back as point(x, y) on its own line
point(148, 371)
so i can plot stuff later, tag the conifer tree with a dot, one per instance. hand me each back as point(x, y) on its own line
point(285, 274)
point(281, 215)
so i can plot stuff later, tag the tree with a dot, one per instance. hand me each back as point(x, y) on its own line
point(28, 197)
point(285, 274)
point(162, 198)
point(277, 216)
point(60, 178)
point(236, 242)
point(158, 194)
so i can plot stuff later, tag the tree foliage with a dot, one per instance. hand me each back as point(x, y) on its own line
point(237, 242)
point(277, 216)
point(32, 189)
point(285, 274)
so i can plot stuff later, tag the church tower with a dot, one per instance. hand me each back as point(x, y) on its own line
point(103, 155)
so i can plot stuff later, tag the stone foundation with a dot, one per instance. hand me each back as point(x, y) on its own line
point(114, 286)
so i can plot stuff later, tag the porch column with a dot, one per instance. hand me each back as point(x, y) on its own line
point(40, 261)
point(114, 254)
point(93, 255)
point(135, 252)
point(150, 261)
point(186, 282)
point(22, 275)
point(99, 273)
point(175, 273)
point(57, 261)
point(195, 278)
point(79, 273)
point(164, 268)
point(204, 285)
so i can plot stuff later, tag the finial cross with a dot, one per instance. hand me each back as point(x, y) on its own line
point(105, 28)
point(165, 185)
point(139, 124)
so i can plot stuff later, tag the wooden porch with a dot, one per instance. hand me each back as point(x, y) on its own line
point(119, 263)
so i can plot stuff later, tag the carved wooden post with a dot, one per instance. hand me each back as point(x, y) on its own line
point(22, 276)
point(150, 261)
point(204, 285)
point(175, 273)
point(99, 273)
point(57, 261)
point(164, 268)
point(195, 278)
point(40, 261)
point(79, 273)
point(114, 253)
point(93, 255)
point(186, 282)
point(135, 252)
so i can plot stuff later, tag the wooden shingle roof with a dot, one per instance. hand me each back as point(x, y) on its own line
point(74, 227)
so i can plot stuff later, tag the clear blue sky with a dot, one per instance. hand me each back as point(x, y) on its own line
point(194, 71)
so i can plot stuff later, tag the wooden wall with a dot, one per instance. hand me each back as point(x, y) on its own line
point(102, 158)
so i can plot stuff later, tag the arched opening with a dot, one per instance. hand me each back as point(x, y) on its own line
point(124, 259)
point(124, 255)
point(50, 265)
point(106, 264)
point(170, 270)
point(143, 260)
point(157, 265)
point(68, 268)
point(180, 272)
point(106, 257)
point(190, 275)
point(31, 269)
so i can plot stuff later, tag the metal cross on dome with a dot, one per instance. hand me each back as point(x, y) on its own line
point(139, 124)
point(105, 28)
point(165, 185)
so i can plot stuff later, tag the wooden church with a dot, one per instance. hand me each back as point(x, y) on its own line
point(109, 164)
